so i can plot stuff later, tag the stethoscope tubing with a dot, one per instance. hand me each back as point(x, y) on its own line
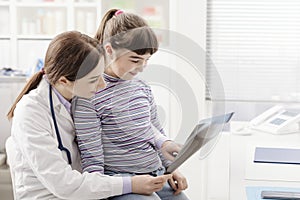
point(60, 144)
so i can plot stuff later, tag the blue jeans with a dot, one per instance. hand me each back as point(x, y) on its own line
point(166, 193)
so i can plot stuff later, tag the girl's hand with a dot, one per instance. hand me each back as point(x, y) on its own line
point(146, 184)
point(178, 182)
point(170, 149)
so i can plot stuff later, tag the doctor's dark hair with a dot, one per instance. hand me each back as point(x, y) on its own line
point(70, 54)
point(127, 30)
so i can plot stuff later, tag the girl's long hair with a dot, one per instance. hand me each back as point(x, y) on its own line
point(127, 30)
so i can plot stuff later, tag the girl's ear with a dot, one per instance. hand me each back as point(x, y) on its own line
point(108, 49)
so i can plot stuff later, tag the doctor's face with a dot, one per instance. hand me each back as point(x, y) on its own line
point(88, 85)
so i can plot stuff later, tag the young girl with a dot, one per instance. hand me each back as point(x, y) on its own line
point(46, 157)
point(127, 142)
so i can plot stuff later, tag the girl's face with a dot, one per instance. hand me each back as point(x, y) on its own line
point(126, 64)
point(88, 85)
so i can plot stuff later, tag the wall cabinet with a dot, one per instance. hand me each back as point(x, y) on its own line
point(27, 26)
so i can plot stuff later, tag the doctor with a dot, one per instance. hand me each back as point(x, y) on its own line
point(47, 162)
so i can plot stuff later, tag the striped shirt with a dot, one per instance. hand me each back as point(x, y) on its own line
point(116, 129)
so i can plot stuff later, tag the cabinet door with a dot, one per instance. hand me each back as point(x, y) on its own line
point(5, 93)
point(5, 53)
point(85, 19)
point(4, 20)
point(28, 57)
point(156, 12)
point(8, 92)
point(4, 35)
point(36, 20)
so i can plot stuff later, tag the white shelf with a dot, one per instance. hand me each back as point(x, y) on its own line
point(35, 37)
point(86, 5)
point(4, 37)
point(13, 79)
point(42, 5)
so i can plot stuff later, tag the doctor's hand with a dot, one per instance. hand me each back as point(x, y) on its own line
point(170, 149)
point(146, 184)
point(178, 182)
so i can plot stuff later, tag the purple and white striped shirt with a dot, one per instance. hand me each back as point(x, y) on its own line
point(115, 129)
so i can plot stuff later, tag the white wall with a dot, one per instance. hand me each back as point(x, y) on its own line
point(192, 23)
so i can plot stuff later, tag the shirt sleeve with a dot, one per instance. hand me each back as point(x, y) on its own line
point(88, 135)
point(33, 134)
point(160, 136)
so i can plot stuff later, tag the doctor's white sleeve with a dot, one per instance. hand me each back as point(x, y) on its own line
point(33, 132)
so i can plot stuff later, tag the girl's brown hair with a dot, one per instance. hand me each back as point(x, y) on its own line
point(127, 30)
point(70, 54)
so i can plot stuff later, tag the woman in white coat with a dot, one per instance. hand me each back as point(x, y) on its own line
point(47, 161)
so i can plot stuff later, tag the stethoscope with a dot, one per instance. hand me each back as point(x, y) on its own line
point(60, 144)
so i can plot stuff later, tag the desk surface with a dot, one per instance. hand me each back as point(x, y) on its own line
point(244, 172)
point(240, 169)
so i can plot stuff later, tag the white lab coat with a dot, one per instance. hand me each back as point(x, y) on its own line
point(42, 170)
